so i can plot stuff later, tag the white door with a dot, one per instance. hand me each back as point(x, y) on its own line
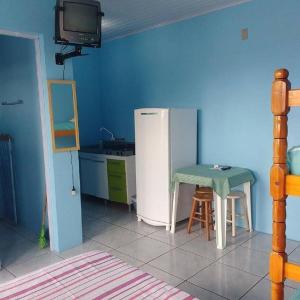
point(93, 177)
point(152, 165)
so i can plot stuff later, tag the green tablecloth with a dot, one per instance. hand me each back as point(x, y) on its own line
point(220, 181)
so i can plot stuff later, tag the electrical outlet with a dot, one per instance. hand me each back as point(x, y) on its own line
point(244, 34)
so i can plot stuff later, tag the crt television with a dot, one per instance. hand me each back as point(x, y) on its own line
point(78, 22)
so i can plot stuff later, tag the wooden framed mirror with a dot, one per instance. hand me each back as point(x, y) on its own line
point(64, 115)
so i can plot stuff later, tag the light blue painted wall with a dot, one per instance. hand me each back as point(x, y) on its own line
point(203, 63)
point(86, 74)
point(37, 17)
point(23, 123)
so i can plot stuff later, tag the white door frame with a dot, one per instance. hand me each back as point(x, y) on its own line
point(43, 104)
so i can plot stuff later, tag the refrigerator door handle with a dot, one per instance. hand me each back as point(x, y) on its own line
point(149, 114)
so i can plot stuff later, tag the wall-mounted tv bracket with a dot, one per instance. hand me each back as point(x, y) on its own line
point(60, 58)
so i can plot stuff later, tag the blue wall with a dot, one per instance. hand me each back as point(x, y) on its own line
point(33, 16)
point(203, 63)
point(88, 96)
point(23, 123)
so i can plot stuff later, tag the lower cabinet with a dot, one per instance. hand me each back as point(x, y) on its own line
point(93, 177)
point(117, 187)
point(108, 177)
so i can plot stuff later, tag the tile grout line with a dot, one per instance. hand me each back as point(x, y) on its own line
point(231, 267)
point(184, 250)
point(126, 244)
point(214, 260)
point(298, 247)
point(148, 234)
point(260, 279)
point(251, 288)
point(234, 267)
point(147, 264)
point(8, 271)
point(204, 289)
point(285, 284)
point(178, 247)
point(172, 247)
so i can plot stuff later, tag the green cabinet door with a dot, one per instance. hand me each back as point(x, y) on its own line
point(115, 166)
point(116, 173)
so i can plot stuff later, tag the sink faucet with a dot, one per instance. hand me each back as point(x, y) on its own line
point(105, 129)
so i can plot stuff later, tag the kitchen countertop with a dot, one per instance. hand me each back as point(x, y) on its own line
point(91, 149)
point(98, 152)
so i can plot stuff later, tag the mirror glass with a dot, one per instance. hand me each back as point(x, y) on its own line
point(63, 110)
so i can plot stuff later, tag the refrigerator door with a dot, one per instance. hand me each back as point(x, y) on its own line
point(183, 153)
point(152, 165)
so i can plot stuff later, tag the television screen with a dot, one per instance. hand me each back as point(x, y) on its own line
point(78, 22)
point(79, 17)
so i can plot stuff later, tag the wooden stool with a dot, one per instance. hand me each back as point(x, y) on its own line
point(202, 209)
point(231, 199)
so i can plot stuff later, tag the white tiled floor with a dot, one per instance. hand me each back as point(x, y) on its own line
point(184, 260)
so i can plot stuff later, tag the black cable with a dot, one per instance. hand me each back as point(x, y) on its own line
point(71, 156)
point(63, 47)
point(64, 71)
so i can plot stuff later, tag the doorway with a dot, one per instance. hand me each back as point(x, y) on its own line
point(22, 118)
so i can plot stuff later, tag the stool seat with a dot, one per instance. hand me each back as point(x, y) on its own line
point(196, 198)
point(204, 190)
point(236, 195)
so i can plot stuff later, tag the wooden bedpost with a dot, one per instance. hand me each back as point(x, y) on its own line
point(280, 109)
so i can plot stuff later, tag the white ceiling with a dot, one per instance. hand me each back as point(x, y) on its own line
point(126, 17)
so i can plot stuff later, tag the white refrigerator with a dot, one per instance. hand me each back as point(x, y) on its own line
point(165, 140)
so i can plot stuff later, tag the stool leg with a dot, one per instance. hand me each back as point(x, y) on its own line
point(207, 227)
point(229, 209)
point(203, 213)
point(244, 203)
point(192, 216)
point(233, 216)
point(247, 191)
point(211, 219)
point(213, 205)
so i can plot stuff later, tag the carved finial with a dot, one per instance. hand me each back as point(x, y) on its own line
point(281, 74)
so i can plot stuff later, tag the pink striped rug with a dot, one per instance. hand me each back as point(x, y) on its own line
point(92, 275)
